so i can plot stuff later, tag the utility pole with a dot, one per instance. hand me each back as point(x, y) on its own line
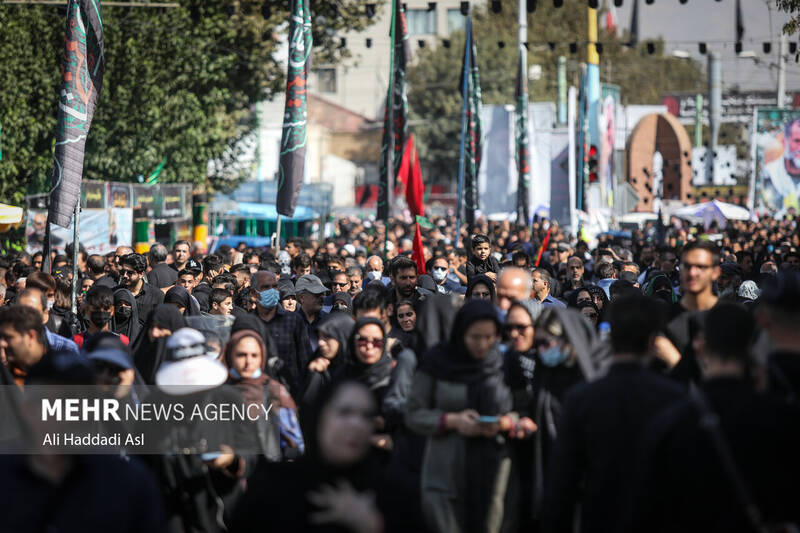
point(782, 71)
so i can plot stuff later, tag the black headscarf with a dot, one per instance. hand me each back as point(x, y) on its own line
point(130, 326)
point(374, 376)
point(481, 278)
point(179, 295)
point(344, 298)
point(148, 354)
point(487, 393)
point(338, 326)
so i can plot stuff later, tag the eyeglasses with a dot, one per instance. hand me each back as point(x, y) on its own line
point(125, 272)
point(363, 342)
point(517, 327)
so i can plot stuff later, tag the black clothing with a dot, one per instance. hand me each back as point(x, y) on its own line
point(311, 327)
point(180, 296)
point(487, 394)
point(277, 497)
point(129, 326)
point(475, 266)
point(481, 278)
point(106, 281)
point(162, 275)
point(101, 493)
point(147, 300)
point(784, 375)
point(148, 354)
point(683, 485)
point(601, 424)
point(338, 326)
point(289, 335)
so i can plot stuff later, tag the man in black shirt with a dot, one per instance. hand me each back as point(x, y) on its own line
point(161, 275)
point(287, 331)
point(131, 277)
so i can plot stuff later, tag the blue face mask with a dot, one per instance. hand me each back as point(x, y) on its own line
point(554, 356)
point(256, 374)
point(269, 298)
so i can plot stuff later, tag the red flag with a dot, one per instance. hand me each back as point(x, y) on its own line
point(419, 255)
point(410, 175)
point(542, 248)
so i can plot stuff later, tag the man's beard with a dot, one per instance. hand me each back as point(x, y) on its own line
point(792, 160)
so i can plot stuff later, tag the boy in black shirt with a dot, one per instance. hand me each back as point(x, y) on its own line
point(481, 261)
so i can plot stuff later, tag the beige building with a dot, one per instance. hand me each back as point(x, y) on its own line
point(360, 82)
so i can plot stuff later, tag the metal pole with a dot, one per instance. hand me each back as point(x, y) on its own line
point(75, 247)
point(698, 121)
point(572, 103)
point(714, 112)
point(782, 72)
point(277, 243)
point(464, 87)
point(751, 192)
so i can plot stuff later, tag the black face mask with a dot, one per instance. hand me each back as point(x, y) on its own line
point(124, 313)
point(100, 318)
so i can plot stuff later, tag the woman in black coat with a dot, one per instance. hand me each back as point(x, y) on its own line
point(329, 488)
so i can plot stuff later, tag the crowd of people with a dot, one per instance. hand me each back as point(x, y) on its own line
point(527, 381)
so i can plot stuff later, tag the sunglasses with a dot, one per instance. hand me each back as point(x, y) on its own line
point(335, 284)
point(363, 342)
point(517, 327)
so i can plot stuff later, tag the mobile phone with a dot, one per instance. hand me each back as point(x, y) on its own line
point(210, 456)
point(488, 419)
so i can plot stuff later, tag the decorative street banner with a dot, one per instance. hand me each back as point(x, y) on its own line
point(82, 75)
point(101, 230)
point(120, 195)
point(522, 147)
point(94, 195)
point(294, 137)
point(474, 134)
point(171, 201)
point(608, 131)
point(395, 122)
point(144, 201)
point(778, 156)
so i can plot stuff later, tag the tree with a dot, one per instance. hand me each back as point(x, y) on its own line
point(180, 83)
point(435, 99)
point(792, 7)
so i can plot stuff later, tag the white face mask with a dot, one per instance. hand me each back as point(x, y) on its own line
point(50, 304)
point(439, 274)
point(375, 274)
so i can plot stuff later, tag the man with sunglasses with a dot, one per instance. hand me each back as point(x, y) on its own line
point(131, 276)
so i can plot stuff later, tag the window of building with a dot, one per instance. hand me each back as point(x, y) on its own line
point(326, 79)
point(455, 21)
point(421, 21)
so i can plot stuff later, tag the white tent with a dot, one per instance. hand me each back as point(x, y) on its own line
point(711, 211)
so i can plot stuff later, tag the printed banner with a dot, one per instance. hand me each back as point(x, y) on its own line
point(778, 155)
point(101, 231)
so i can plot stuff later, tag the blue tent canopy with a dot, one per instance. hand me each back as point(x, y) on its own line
point(267, 212)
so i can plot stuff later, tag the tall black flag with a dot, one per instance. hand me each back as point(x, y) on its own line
point(82, 69)
point(294, 138)
point(395, 123)
point(473, 151)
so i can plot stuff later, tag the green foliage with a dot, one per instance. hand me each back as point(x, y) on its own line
point(179, 83)
point(435, 99)
point(793, 8)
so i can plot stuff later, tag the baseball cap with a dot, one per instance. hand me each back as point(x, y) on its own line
point(310, 283)
point(113, 356)
point(192, 264)
point(187, 368)
point(563, 247)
